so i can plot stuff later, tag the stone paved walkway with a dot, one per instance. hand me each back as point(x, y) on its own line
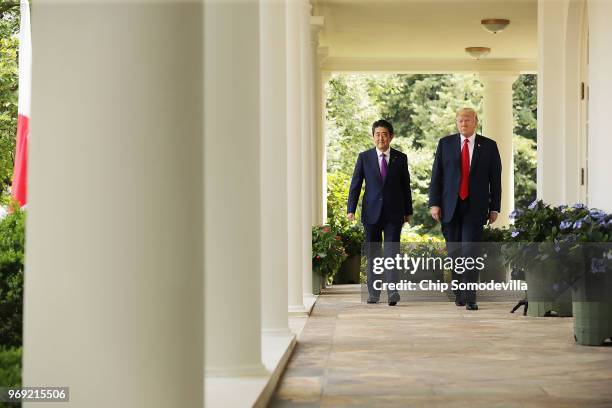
point(434, 354)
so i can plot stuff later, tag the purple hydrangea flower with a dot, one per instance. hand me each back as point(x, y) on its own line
point(578, 224)
point(579, 206)
point(533, 205)
point(515, 233)
point(565, 224)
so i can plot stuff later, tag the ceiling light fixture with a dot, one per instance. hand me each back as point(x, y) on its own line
point(494, 25)
point(478, 52)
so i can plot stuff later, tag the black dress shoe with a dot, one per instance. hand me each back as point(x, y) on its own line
point(372, 301)
point(459, 303)
point(471, 306)
point(392, 303)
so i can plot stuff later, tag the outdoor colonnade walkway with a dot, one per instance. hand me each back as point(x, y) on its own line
point(434, 354)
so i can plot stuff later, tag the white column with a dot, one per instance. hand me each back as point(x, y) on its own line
point(307, 162)
point(274, 259)
point(497, 124)
point(316, 23)
point(113, 279)
point(551, 61)
point(599, 140)
point(232, 188)
point(295, 234)
point(324, 78)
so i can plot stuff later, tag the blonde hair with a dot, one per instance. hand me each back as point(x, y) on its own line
point(467, 110)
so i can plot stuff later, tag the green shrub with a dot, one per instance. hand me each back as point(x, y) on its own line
point(10, 366)
point(490, 234)
point(327, 250)
point(12, 237)
point(351, 233)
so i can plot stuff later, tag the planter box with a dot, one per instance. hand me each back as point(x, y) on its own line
point(317, 282)
point(592, 304)
point(349, 271)
point(494, 270)
point(545, 293)
point(592, 322)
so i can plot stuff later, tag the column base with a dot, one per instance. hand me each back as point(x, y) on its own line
point(251, 370)
point(254, 391)
point(283, 332)
point(304, 309)
point(309, 302)
point(297, 310)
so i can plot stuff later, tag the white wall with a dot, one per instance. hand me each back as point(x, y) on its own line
point(600, 129)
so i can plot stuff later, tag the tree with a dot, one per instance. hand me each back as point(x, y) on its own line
point(525, 103)
point(350, 115)
point(9, 43)
point(524, 171)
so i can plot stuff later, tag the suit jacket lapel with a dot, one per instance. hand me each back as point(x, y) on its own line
point(375, 166)
point(476, 153)
point(457, 151)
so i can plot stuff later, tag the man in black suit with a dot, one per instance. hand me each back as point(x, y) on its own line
point(387, 201)
point(465, 193)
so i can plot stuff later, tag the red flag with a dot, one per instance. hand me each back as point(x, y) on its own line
point(20, 171)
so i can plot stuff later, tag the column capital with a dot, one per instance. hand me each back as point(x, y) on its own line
point(307, 5)
point(498, 78)
point(316, 25)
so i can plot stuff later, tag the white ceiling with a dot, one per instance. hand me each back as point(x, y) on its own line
point(439, 29)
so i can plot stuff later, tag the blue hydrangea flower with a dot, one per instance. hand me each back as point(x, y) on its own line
point(578, 224)
point(579, 206)
point(565, 224)
point(533, 205)
point(515, 214)
point(562, 207)
point(597, 214)
point(515, 233)
point(598, 265)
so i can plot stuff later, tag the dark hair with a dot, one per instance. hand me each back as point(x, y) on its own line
point(382, 123)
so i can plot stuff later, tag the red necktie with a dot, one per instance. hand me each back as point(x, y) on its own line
point(465, 171)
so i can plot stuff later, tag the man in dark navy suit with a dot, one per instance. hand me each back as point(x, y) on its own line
point(386, 204)
point(465, 193)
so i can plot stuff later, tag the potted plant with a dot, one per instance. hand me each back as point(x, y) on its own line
point(584, 242)
point(327, 255)
point(529, 249)
point(352, 237)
